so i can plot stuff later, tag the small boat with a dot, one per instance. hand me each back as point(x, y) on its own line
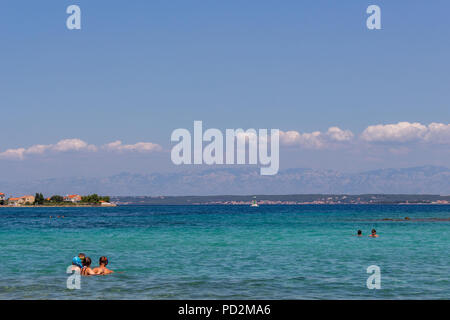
point(254, 203)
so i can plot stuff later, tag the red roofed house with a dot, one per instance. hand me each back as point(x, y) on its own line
point(2, 196)
point(21, 200)
point(13, 201)
point(72, 198)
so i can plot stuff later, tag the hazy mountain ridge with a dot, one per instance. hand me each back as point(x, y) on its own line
point(417, 180)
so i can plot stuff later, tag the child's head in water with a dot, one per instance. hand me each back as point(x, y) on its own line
point(359, 233)
point(374, 231)
point(103, 261)
point(82, 256)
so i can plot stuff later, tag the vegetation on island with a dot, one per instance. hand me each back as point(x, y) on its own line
point(94, 198)
point(39, 199)
point(57, 200)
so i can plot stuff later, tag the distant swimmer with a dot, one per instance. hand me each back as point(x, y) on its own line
point(101, 269)
point(359, 233)
point(87, 271)
point(374, 234)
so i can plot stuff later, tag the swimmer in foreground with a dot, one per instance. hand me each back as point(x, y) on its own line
point(102, 269)
point(374, 234)
point(77, 264)
point(359, 233)
point(87, 271)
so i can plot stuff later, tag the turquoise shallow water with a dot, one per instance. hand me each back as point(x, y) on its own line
point(227, 252)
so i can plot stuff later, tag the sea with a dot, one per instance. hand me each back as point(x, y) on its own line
point(228, 252)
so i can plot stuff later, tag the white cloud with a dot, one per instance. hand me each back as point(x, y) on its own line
point(77, 145)
point(438, 133)
point(38, 149)
point(337, 134)
point(72, 145)
point(289, 138)
point(13, 154)
point(407, 132)
point(61, 146)
point(138, 147)
point(400, 132)
point(313, 140)
point(316, 139)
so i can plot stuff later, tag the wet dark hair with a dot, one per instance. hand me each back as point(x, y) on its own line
point(373, 230)
point(359, 232)
point(103, 260)
point(87, 262)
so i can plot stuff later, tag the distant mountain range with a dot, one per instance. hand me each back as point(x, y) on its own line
point(244, 181)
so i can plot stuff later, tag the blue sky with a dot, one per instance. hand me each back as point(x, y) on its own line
point(140, 69)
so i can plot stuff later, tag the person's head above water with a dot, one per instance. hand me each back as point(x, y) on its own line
point(103, 261)
point(359, 233)
point(82, 256)
point(87, 262)
point(76, 261)
point(374, 231)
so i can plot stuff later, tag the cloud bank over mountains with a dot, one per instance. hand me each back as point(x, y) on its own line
point(408, 132)
point(137, 147)
point(77, 145)
point(401, 133)
point(316, 139)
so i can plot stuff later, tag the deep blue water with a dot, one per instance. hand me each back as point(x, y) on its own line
point(227, 252)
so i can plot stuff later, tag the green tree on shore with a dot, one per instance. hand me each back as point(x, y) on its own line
point(39, 199)
point(56, 199)
point(94, 199)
